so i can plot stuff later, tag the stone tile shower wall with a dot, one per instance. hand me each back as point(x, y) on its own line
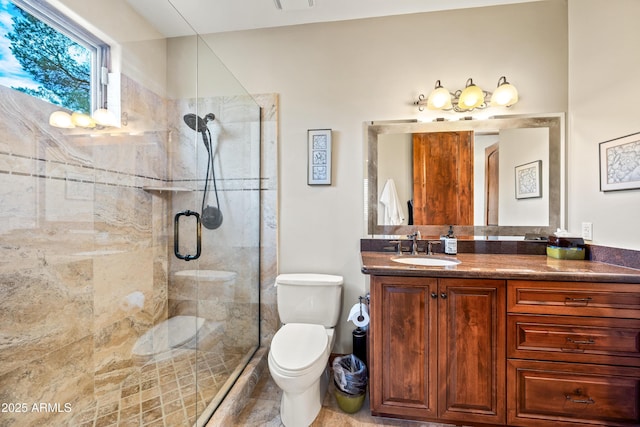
point(83, 256)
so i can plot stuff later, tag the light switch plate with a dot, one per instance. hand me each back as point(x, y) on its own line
point(587, 230)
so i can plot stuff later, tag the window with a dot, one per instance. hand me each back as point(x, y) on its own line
point(45, 54)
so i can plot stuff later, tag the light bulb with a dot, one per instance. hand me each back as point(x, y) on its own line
point(83, 120)
point(504, 96)
point(61, 119)
point(439, 99)
point(104, 117)
point(471, 97)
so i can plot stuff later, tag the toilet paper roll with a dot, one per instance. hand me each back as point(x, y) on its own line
point(359, 315)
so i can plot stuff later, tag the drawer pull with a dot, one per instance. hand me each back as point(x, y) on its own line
point(577, 301)
point(579, 398)
point(577, 342)
point(587, 401)
point(581, 342)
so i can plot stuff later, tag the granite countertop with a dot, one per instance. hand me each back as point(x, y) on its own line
point(501, 266)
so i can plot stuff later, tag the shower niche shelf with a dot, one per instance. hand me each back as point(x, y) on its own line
point(208, 275)
point(170, 189)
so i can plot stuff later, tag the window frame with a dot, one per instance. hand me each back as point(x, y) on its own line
point(100, 51)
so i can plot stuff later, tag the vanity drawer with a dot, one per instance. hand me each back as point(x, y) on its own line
point(548, 394)
point(574, 298)
point(574, 339)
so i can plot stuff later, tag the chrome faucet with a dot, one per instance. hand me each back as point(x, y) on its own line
point(415, 236)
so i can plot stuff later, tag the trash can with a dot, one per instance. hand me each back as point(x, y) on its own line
point(350, 379)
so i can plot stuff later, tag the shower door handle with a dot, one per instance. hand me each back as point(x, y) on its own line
point(176, 235)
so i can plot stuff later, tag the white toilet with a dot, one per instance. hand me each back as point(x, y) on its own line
point(309, 307)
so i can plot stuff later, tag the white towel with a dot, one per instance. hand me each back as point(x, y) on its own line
point(393, 212)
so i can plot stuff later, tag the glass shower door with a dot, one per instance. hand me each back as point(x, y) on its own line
point(214, 272)
point(100, 321)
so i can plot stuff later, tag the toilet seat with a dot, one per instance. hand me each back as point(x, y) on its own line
point(296, 348)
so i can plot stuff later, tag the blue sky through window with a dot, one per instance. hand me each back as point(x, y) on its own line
point(11, 72)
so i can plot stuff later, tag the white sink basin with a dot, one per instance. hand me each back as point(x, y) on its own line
point(426, 261)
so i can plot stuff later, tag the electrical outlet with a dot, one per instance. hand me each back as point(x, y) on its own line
point(587, 230)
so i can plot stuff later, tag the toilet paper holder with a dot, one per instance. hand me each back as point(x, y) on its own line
point(359, 313)
point(360, 298)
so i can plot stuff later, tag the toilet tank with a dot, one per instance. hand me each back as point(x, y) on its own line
point(309, 298)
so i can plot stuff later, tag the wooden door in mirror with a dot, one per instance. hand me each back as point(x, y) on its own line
point(443, 178)
point(492, 184)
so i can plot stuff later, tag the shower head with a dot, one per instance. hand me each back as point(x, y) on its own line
point(197, 123)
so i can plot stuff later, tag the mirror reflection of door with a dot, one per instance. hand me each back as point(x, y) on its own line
point(492, 161)
point(443, 178)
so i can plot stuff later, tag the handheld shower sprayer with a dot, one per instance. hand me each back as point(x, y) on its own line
point(211, 215)
point(199, 124)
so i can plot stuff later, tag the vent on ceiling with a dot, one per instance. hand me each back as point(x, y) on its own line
point(293, 4)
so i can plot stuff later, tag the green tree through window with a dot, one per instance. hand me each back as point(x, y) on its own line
point(59, 65)
point(58, 60)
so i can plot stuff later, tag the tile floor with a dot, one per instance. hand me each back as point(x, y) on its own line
point(263, 410)
point(163, 393)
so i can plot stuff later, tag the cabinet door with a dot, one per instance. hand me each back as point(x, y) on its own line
point(472, 318)
point(403, 363)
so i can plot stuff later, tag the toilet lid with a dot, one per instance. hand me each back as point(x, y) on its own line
point(297, 346)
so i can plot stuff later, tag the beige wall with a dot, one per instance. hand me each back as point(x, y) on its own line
point(603, 68)
point(338, 75)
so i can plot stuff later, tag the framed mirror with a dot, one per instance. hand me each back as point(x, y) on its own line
point(493, 178)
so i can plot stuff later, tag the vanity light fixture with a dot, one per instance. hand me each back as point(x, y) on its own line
point(470, 98)
point(101, 118)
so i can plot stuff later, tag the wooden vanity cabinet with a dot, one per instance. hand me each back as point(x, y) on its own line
point(438, 349)
point(573, 353)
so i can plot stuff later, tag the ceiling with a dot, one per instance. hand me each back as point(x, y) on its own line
point(174, 18)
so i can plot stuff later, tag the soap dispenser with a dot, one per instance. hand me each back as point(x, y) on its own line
point(450, 242)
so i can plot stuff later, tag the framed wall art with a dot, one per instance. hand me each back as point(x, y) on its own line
point(319, 161)
point(620, 163)
point(528, 180)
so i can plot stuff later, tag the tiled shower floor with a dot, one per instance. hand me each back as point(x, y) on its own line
point(163, 393)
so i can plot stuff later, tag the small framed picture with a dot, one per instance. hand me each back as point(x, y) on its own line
point(528, 180)
point(620, 163)
point(319, 162)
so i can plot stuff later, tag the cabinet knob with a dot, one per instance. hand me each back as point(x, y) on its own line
point(443, 295)
point(434, 295)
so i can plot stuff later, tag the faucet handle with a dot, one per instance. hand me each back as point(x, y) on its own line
point(398, 248)
point(430, 244)
point(414, 235)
